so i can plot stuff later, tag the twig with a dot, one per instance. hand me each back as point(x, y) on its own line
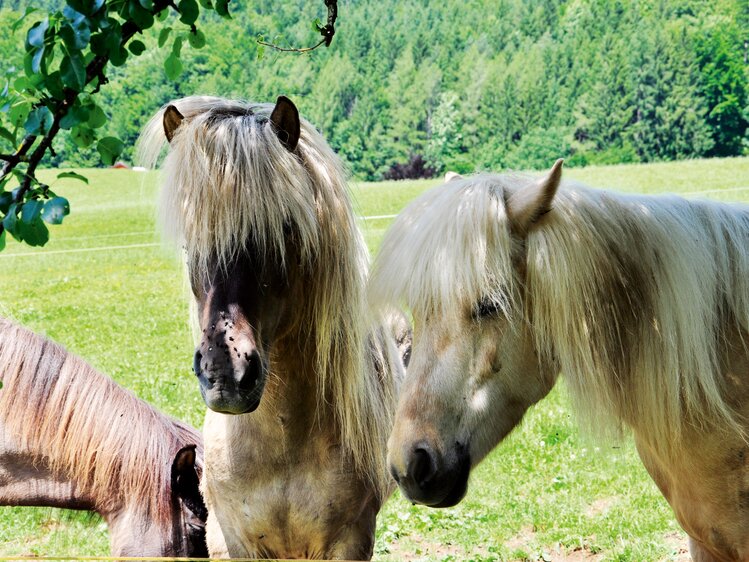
point(327, 31)
point(292, 49)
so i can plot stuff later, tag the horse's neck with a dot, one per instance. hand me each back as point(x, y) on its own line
point(26, 480)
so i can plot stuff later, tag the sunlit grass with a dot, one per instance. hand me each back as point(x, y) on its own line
point(544, 493)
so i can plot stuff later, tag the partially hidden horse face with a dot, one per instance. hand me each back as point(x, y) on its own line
point(241, 299)
point(178, 530)
point(474, 369)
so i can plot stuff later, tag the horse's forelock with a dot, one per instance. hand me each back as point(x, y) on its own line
point(456, 245)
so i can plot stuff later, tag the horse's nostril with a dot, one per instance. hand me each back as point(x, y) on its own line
point(252, 372)
point(421, 467)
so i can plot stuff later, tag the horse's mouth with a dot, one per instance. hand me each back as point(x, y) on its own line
point(231, 402)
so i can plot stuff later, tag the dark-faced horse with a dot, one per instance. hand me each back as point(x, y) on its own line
point(298, 378)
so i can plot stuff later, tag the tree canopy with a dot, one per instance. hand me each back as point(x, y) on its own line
point(425, 86)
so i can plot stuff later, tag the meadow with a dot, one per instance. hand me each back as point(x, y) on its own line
point(107, 288)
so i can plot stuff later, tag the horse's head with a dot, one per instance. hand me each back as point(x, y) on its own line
point(177, 529)
point(241, 288)
point(259, 202)
point(456, 256)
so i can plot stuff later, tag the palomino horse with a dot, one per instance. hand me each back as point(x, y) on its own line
point(70, 437)
point(642, 303)
point(277, 267)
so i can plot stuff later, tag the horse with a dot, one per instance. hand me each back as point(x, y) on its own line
point(640, 302)
point(299, 378)
point(72, 438)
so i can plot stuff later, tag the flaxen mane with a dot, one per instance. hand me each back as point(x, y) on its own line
point(85, 426)
point(229, 185)
point(631, 294)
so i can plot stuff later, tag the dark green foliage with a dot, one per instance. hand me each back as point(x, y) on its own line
point(53, 83)
point(470, 85)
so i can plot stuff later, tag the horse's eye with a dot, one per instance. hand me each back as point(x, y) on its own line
point(485, 307)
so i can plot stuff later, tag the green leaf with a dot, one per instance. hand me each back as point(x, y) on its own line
point(260, 48)
point(189, 11)
point(172, 67)
point(2, 247)
point(196, 39)
point(10, 223)
point(143, 18)
point(316, 25)
point(222, 8)
point(206, 4)
point(75, 115)
point(19, 112)
point(39, 121)
point(31, 210)
point(6, 200)
point(177, 46)
point(74, 176)
point(109, 148)
point(35, 35)
point(147, 4)
point(73, 72)
point(7, 135)
point(82, 136)
point(87, 7)
point(35, 233)
point(164, 36)
point(75, 37)
point(36, 60)
point(118, 56)
point(137, 47)
point(96, 117)
point(53, 83)
point(56, 209)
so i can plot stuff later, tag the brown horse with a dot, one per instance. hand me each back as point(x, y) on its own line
point(72, 438)
point(277, 267)
point(641, 302)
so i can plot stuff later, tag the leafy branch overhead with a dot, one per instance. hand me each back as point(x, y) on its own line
point(327, 31)
point(67, 56)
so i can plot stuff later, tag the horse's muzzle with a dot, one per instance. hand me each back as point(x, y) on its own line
point(433, 479)
point(228, 390)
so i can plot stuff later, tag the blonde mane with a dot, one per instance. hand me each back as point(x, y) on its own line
point(632, 295)
point(85, 427)
point(229, 184)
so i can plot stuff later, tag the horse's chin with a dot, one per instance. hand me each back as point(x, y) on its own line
point(232, 404)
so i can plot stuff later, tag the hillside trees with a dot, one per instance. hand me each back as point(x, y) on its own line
point(474, 85)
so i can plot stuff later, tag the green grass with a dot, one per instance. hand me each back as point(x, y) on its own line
point(544, 493)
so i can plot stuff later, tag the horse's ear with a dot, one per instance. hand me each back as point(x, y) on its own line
point(186, 481)
point(450, 176)
point(527, 205)
point(172, 120)
point(285, 120)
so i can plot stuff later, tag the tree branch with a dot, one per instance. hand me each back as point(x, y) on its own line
point(327, 31)
point(95, 69)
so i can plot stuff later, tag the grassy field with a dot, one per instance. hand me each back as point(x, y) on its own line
point(106, 288)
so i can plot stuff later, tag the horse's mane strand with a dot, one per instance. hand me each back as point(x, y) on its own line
point(633, 295)
point(85, 427)
point(229, 184)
